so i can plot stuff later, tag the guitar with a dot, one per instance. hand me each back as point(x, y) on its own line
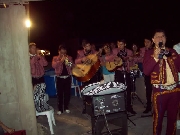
point(84, 72)
point(113, 66)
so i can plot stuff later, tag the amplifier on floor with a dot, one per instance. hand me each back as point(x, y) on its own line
point(105, 98)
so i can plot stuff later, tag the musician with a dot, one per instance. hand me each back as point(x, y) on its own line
point(63, 65)
point(82, 58)
point(107, 57)
point(148, 44)
point(37, 63)
point(163, 64)
point(122, 74)
point(137, 58)
point(147, 79)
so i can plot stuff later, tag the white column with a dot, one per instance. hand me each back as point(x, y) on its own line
point(16, 98)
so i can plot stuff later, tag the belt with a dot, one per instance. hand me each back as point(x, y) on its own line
point(64, 77)
point(167, 87)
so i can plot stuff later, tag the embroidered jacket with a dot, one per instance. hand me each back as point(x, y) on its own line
point(157, 72)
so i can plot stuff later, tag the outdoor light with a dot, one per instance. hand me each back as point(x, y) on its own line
point(28, 23)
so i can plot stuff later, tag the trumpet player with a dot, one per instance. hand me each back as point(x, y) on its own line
point(37, 63)
point(63, 66)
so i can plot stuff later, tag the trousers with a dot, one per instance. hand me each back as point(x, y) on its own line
point(63, 92)
point(165, 100)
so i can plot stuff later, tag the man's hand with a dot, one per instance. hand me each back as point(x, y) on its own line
point(117, 60)
point(63, 58)
point(156, 53)
point(84, 59)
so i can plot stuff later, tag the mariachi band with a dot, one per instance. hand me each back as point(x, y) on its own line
point(159, 64)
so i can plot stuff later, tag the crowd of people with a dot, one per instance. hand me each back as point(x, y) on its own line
point(160, 66)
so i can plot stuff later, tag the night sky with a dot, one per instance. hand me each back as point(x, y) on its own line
point(54, 22)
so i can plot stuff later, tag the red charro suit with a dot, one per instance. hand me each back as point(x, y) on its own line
point(163, 99)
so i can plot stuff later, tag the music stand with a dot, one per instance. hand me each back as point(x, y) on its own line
point(134, 95)
point(124, 72)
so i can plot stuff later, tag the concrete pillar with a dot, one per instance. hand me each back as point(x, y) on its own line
point(16, 98)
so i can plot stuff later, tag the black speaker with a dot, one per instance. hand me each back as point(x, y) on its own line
point(116, 123)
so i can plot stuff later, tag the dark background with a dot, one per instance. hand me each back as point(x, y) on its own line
point(59, 21)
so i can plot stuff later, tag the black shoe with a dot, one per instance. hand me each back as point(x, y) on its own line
point(148, 110)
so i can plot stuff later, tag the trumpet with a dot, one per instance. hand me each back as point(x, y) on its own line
point(43, 52)
point(67, 62)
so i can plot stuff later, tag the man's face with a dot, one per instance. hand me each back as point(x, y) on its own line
point(121, 45)
point(159, 37)
point(32, 49)
point(87, 47)
point(147, 43)
point(62, 52)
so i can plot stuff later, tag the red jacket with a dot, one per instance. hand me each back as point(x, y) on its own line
point(37, 64)
point(158, 75)
point(58, 65)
